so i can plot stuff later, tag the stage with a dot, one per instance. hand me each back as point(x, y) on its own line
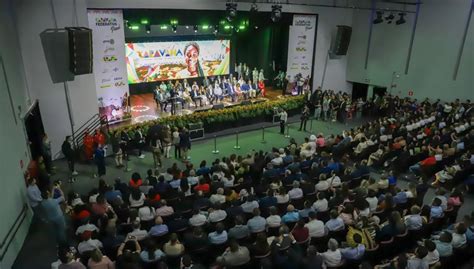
point(144, 108)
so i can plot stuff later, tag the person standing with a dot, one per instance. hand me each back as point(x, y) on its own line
point(54, 215)
point(326, 106)
point(47, 156)
point(156, 149)
point(177, 150)
point(184, 143)
point(140, 142)
point(255, 74)
point(167, 140)
point(283, 120)
point(67, 150)
point(304, 118)
point(99, 158)
point(34, 197)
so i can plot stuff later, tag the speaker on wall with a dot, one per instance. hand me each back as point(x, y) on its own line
point(80, 50)
point(56, 51)
point(343, 38)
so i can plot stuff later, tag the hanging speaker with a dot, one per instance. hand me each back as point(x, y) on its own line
point(80, 50)
point(56, 51)
point(342, 40)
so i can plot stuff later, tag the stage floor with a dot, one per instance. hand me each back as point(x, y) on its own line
point(144, 108)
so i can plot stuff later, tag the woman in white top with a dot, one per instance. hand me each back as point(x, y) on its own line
point(321, 205)
point(334, 180)
point(323, 184)
point(136, 199)
point(282, 197)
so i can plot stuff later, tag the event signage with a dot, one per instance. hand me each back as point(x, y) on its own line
point(110, 74)
point(301, 46)
point(157, 61)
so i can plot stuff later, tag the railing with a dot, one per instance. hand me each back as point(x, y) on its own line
point(8, 239)
point(90, 125)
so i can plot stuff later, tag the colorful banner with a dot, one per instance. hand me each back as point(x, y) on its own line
point(108, 37)
point(301, 46)
point(155, 61)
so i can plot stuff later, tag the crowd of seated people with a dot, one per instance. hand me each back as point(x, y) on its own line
point(313, 205)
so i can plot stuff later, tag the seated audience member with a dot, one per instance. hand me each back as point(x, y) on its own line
point(459, 236)
point(257, 223)
point(239, 231)
point(300, 232)
point(274, 220)
point(414, 221)
point(216, 214)
point(68, 261)
point(219, 236)
point(443, 244)
point(432, 258)
point(198, 218)
point(173, 247)
point(417, 261)
point(321, 204)
point(332, 257)
point(151, 253)
point(99, 261)
point(128, 254)
point(234, 255)
point(159, 229)
point(291, 215)
point(137, 233)
point(436, 211)
point(335, 223)
point(356, 252)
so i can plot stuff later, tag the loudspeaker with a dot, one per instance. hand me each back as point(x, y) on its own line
point(56, 51)
point(218, 106)
point(196, 134)
point(343, 38)
point(80, 50)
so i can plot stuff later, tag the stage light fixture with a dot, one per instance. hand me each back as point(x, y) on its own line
point(127, 24)
point(173, 22)
point(195, 28)
point(242, 27)
point(231, 9)
point(227, 27)
point(379, 18)
point(205, 27)
point(390, 18)
point(276, 13)
point(254, 7)
point(164, 27)
point(135, 27)
point(174, 28)
point(187, 26)
point(148, 28)
point(216, 28)
point(402, 19)
point(144, 21)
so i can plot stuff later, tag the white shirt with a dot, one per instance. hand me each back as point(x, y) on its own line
point(432, 257)
point(146, 213)
point(373, 202)
point(322, 185)
point(332, 258)
point(217, 215)
point(89, 245)
point(320, 205)
point(316, 228)
point(137, 203)
point(197, 220)
point(86, 227)
point(295, 193)
point(138, 234)
point(282, 199)
point(335, 181)
point(273, 221)
point(217, 198)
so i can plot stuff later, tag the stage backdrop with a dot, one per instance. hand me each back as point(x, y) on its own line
point(156, 61)
point(301, 45)
point(110, 73)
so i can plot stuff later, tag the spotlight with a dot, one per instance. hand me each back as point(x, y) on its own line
point(127, 24)
point(195, 28)
point(148, 28)
point(379, 18)
point(276, 13)
point(390, 18)
point(231, 9)
point(402, 19)
point(254, 7)
point(187, 26)
point(174, 28)
point(216, 28)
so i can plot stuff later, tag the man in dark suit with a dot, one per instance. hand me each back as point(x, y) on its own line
point(68, 152)
point(195, 94)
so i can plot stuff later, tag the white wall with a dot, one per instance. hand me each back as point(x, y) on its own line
point(32, 17)
point(327, 21)
point(436, 45)
point(12, 136)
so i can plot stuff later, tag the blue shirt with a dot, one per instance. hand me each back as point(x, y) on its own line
point(34, 195)
point(158, 230)
point(336, 224)
point(400, 197)
point(217, 239)
point(112, 195)
point(52, 210)
point(353, 253)
point(290, 217)
point(158, 255)
point(444, 249)
point(304, 212)
point(392, 180)
point(256, 224)
point(436, 212)
point(267, 201)
point(175, 183)
point(414, 222)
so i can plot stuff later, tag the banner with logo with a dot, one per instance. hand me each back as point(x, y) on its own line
point(108, 39)
point(301, 46)
point(155, 61)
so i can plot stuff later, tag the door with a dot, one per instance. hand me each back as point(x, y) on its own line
point(379, 91)
point(34, 130)
point(359, 90)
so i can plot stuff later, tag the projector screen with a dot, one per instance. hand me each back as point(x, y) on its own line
point(156, 61)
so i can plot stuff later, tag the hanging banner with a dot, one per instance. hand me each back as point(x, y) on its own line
point(301, 46)
point(110, 70)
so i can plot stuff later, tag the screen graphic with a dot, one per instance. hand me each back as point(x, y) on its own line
point(156, 61)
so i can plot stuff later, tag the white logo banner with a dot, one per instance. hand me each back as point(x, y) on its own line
point(110, 70)
point(301, 45)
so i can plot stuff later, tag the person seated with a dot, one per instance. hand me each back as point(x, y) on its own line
point(291, 215)
point(332, 257)
point(300, 232)
point(335, 223)
point(252, 89)
point(151, 253)
point(414, 221)
point(234, 256)
point(173, 247)
point(218, 93)
point(257, 223)
point(240, 230)
point(417, 261)
point(219, 236)
point(159, 229)
point(245, 88)
point(355, 252)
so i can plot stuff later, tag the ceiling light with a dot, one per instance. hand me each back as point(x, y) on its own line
point(231, 9)
point(402, 19)
point(276, 13)
point(379, 18)
point(195, 28)
point(148, 28)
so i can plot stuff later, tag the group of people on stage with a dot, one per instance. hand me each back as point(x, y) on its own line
point(212, 90)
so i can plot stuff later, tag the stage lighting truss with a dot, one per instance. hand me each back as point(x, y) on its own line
point(379, 18)
point(231, 9)
point(276, 13)
point(402, 19)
